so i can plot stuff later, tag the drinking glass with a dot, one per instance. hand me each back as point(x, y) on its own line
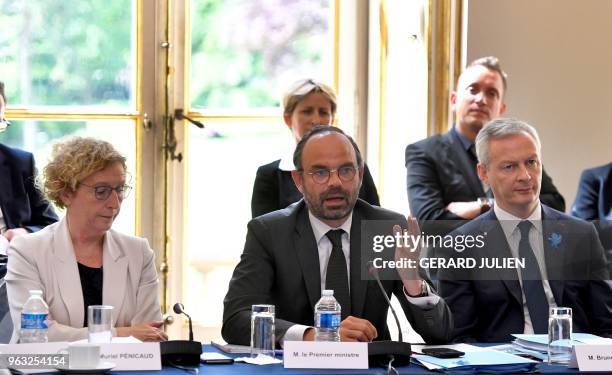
point(100, 323)
point(559, 335)
point(262, 330)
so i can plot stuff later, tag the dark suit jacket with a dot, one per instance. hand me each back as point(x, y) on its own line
point(22, 203)
point(280, 266)
point(487, 303)
point(594, 202)
point(439, 171)
point(594, 197)
point(274, 189)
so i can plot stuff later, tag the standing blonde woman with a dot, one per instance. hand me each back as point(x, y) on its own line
point(80, 260)
point(306, 104)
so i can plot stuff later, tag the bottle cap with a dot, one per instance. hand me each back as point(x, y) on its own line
point(328, 292)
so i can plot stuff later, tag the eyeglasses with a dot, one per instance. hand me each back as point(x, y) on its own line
point(345, 174)
point(4, 123)
point(103, 192)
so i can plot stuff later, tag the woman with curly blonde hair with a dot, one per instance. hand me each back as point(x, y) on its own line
point(81, 261)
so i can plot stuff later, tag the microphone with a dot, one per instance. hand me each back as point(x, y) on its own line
point(181, 353)
point(374, 273)
point(180, 309)
point(385, 352)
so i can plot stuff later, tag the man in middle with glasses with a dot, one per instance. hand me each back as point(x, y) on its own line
point(291, 255)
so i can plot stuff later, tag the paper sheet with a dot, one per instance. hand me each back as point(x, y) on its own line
point(259, 360)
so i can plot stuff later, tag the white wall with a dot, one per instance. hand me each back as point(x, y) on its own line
point(558, 55)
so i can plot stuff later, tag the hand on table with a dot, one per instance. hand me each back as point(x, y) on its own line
point(149, 331)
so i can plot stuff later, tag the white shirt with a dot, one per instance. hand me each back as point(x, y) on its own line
point(324, 245)
point(286, 162)
point(3, 227)
point(4, 244)
point(509, 224)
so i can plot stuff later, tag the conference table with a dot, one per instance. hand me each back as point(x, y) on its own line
point(243, 368)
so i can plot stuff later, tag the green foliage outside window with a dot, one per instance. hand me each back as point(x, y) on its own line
point(244, 53)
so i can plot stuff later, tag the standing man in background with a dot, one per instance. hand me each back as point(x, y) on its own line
point(441, 170)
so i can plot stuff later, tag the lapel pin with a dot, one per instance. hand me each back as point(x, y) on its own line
point(555, 239)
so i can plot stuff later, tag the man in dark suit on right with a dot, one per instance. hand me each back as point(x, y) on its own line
point(594, 196)
point(563, 262)
point(441, 170)
point(594, 203)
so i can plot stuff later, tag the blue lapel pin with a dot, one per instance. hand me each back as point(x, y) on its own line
point(555, 239)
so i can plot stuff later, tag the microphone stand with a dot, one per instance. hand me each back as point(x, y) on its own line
point(383, 353)
point(181, 353)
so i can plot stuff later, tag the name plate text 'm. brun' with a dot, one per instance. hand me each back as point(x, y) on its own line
point(593, 357)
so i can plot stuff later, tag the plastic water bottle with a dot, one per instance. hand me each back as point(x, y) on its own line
point(327, 318)
point(34, 319)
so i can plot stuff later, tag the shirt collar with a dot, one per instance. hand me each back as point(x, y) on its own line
point(509, 222)
point(466, 143)
point(320, 229)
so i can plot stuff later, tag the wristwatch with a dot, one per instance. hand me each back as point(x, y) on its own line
point(423, 291)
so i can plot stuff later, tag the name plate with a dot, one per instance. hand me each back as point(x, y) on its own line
point(132, 356)
point(336, 355)
point(593, 357)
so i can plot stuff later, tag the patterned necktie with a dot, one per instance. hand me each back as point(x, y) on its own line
point(532, 282)
point(337, 275)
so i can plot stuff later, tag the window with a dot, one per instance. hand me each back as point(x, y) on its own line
point(241, 62)
point(70, 68)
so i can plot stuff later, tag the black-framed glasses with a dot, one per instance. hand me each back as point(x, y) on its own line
point(103, 192)
point(322, 175)
point(4, 123)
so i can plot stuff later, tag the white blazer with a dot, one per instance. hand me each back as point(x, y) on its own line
point(45, 260)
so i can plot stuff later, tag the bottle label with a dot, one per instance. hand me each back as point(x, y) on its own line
point(34, 321)
point(329, 320)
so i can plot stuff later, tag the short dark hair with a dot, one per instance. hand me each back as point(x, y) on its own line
point(491, 63)
point(319, 129)
point(2, 91)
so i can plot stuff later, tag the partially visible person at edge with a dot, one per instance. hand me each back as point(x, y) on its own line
point(23, 208)
point(306, 104)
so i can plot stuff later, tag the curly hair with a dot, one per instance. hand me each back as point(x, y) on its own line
point(72, 161)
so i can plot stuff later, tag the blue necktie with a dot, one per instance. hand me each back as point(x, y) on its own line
point(532, 282)
point(336, 278)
